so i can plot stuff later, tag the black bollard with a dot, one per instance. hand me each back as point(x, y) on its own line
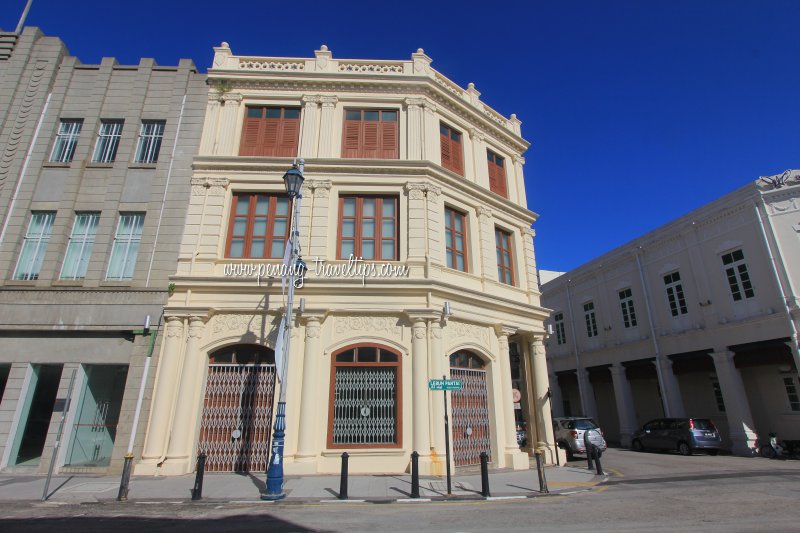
point(197, 491)
point(597, 454)
point(485, 475)
point(414, 475)
point(589, 455)
point(122, 496)
point(540, 469)
point(343, 482)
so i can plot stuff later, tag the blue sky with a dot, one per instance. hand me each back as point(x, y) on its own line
point(638, 111)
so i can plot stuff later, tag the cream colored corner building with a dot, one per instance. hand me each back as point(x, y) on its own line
point(224, 310)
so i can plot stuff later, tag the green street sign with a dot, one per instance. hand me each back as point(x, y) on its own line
point(445, 384)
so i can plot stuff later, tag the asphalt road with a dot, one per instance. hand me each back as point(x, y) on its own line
point(644, 492)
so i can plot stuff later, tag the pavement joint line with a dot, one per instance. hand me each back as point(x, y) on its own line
point(494, 498)
point(342, 501)
point(252, 501)
point(412, 500)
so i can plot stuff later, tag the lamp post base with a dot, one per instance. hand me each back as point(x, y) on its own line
point(275, 471)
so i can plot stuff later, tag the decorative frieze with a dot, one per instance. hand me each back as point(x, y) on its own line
point(385, 325)
point(213, 186)
point(459, 331)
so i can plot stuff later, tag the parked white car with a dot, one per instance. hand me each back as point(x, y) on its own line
point(569, 434)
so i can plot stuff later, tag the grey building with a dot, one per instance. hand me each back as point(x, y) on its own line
point(95, 167)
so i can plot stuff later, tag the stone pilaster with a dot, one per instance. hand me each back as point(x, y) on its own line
point(419, 376)
point(180, 459)
point(545, 440)
point(318, 204)
point(308, 133)
point(228, 139)
point(437, 368)
point(488, 244)
point(307, 445)
point(431, 148)
point(519, 179)
point(514, 458)
point(326, 126)
point(531, 278)
point(417, 239)
point(737, 408)
point(209, 139)
point(416, 134)
point(624, 398)
point(163, 398)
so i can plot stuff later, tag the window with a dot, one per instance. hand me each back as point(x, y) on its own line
point(259, 226)
point(628, 312)
point(497, 174)
point(35, 245)
point(591, 320)
point(677, 302)
point(271, 131)
point(738, 278)
point(370, 134)
point(126, 246)
point(505, 270)
point(66, 140)
point(368, 227)
point(561, 335)
point(150, 136)
point(452, 153)
point(105, 150)
point(79, 249)
point(790, 384)
point(455, 229)
point(365, 408)
point(718, 395)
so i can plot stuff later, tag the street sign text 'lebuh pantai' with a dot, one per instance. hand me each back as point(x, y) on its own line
point(445, 384)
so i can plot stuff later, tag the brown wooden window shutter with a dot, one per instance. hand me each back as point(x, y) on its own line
point(370, 134)
point(270, 131)
point(497, 174)
point(452, 153)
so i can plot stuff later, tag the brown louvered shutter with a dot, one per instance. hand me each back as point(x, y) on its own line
point(457, 155)
point(289, 134)
point(389, 140)
point(497, 175)
point(369, 146)
point(352, 137)
point(250, 136)
point(269, 140)
point(447, 156)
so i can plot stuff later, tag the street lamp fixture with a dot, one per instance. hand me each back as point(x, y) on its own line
point(293, 179)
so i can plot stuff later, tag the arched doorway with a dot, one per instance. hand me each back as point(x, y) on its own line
point(471, 427)
point(237, 409)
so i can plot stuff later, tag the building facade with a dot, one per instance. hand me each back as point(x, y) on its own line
point(697, 318)
point(415, 228)
point(94, 184)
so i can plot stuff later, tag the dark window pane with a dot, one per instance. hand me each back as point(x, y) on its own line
point(273, 112)
point(291, 112)
point(444, 130)
point(367, 354)
point(389, 116)
point(371, 116)
point(254, 112)
point(353, 115)
point(346, 357)
point(388, 357)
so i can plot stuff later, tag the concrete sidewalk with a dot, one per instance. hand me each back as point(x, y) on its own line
point(247, 488)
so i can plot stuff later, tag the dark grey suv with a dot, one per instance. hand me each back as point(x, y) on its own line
point(682, 434)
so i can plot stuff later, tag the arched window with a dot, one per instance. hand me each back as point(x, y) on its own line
point(365, 406)
point(465, 359)
point(243, 354)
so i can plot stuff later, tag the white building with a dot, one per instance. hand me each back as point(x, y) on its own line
point(404, 169)
point(697, 318)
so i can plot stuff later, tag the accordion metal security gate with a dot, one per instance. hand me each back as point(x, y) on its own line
point(471, 428)
point(237, 417)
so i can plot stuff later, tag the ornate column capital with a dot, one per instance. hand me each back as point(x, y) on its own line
point(476, 134)
point(311, 99)
point(416, 191)
point(320, 188)
point(313, 325)
point(484, 212)
point(196, 326)
point(722, 357)
point(328, 101)
point(414, 102)
point(213, 186)
point(617, 369)
point(504, 331)
point(236, 98)
point(518, 159)
point(527, 230)
point(174, 326)
point(419, 327)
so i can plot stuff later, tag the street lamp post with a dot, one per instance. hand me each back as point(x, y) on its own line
point(293, 179)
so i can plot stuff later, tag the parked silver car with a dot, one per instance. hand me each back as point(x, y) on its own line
point(681, 434)
point(569, 434)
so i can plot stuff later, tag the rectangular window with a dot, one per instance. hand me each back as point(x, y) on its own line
point(452, 152)
point(455, 229)
point(677, 302)
point(718, 395)
point(738, 277)
point(497, 174)
point(561, 336)
point(628, 312)
point(505, 268)
point(259, 226)
point(35, 245)
point(591, 320)
point(126, 247)
point(368, 228)
point(105, 150)
point(66, 139)
point(271, 131)
point(790, 384)
point(370, 134)
point(79, 249)
point(150, 136)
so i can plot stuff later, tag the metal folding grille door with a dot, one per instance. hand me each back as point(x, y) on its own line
point(364, 406)
point(471, 433)
point(237, 417)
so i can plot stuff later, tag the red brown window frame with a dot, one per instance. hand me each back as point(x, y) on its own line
point(504, 245)
point(498, 182)
point(355, 132)
point(450, 215)
point(452, 147)
point(254, 131)
point(251, 217)
point(359, 219)
point(398, 387)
